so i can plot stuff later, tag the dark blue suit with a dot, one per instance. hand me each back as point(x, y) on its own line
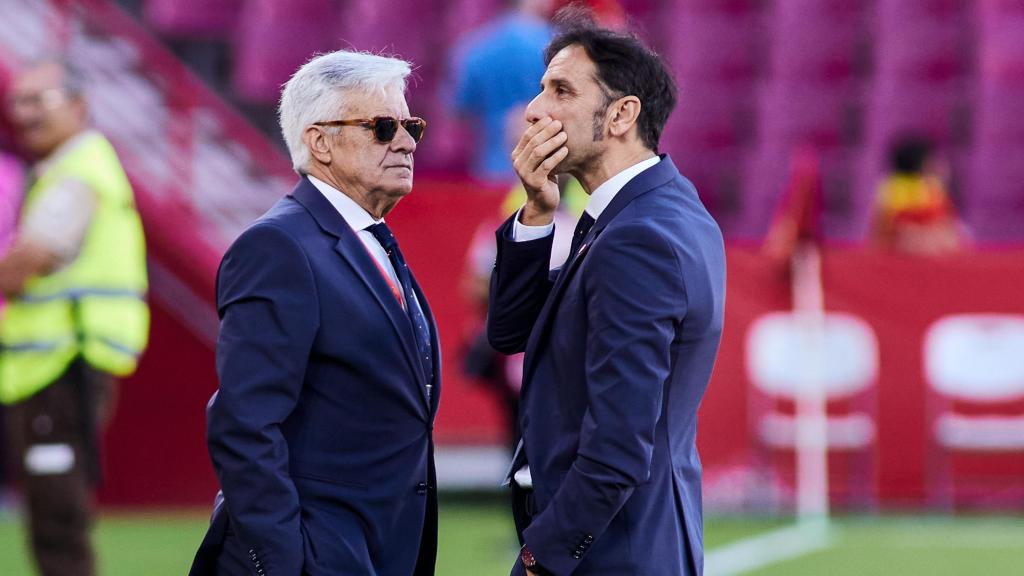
point(619, 350)
point(320, 432)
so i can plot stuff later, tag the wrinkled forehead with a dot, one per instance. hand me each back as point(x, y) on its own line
point(572, 64)
point(364, 103)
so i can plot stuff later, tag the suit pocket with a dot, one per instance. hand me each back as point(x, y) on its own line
point(321, 473)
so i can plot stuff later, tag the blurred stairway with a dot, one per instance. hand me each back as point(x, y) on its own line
point(200, 174)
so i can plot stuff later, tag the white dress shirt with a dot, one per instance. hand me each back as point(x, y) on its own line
point(599, 200)
point(359, 220)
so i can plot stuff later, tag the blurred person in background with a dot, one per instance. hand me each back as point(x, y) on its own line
point(329, 364)
point(914, 213)
point(76, 316)
point(621, 342)
point(495, 71)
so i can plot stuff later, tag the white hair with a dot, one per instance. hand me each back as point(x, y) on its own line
point(318, 90)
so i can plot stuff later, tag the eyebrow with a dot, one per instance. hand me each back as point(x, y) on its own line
point(559, 82)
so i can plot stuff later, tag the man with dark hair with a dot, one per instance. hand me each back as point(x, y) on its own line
point(620, 342)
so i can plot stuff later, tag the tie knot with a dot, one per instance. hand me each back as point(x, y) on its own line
point(383, 235)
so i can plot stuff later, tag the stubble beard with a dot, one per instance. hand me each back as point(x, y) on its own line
point(582, 161)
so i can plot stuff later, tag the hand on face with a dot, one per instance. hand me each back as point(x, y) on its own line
point(539, 151)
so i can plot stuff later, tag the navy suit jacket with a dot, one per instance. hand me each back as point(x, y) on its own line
point(321, 430)
point(619, 346)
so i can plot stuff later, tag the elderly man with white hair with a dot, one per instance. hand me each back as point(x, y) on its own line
point(328, 358)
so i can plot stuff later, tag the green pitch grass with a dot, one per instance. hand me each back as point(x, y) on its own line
point(477, 540)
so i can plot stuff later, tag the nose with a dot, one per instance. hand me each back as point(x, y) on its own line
point(534, 110)
point(403, 141)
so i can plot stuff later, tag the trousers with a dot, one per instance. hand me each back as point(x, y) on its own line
point(52, 437)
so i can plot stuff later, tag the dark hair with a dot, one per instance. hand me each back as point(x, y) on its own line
point(625, 66)
point(909, 153)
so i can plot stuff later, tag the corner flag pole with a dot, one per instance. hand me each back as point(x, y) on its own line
point(811, 403)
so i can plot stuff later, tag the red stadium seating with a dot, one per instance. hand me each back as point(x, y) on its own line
point(716, 48)
point(193, 18)
point(275, 37)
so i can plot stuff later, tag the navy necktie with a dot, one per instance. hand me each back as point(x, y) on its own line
point(582, 228)
point(419, 322)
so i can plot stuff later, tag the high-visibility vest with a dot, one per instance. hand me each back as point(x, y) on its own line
point(93, 308)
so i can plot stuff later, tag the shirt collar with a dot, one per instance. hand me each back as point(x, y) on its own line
point(354, 214)
point(603, 195)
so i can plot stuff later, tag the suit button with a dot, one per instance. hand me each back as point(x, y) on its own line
point(577, 555)
point(421, 488)
point(588, 539)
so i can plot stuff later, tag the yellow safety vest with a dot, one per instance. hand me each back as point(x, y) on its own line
point(93, 308)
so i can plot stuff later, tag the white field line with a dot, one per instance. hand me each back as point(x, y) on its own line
point(767, 548)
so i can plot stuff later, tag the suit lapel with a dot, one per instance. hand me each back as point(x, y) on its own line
point(649, 179)
point(351, 249)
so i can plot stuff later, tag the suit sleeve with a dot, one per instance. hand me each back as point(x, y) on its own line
point(266, 299)
point(520, 284)
point(635, 298)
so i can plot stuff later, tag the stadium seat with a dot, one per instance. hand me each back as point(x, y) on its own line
point(463, 16)
point(275, 38)
point(810, 113)
point(820, 40)
point(193, 18)
point(778, 371)
point(372, 25)
point(928, 52)
point(939, 111)
point(927, 40)
point(1000, 42)
point(973, 367)
point(717, 175)
point(998, 114)
point(716, 47)
point(718, 6)
point(820, 52)
point(994, 194)
point(711, 116)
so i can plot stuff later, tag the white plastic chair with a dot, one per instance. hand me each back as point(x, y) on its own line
point(777, 367)
point(975, 360)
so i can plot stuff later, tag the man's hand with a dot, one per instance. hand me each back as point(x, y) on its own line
point(539, 150)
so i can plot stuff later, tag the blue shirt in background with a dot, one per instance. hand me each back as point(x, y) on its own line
point(496, 69)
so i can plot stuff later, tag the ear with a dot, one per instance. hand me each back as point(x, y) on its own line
point(624, 113)
point(317, 141)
